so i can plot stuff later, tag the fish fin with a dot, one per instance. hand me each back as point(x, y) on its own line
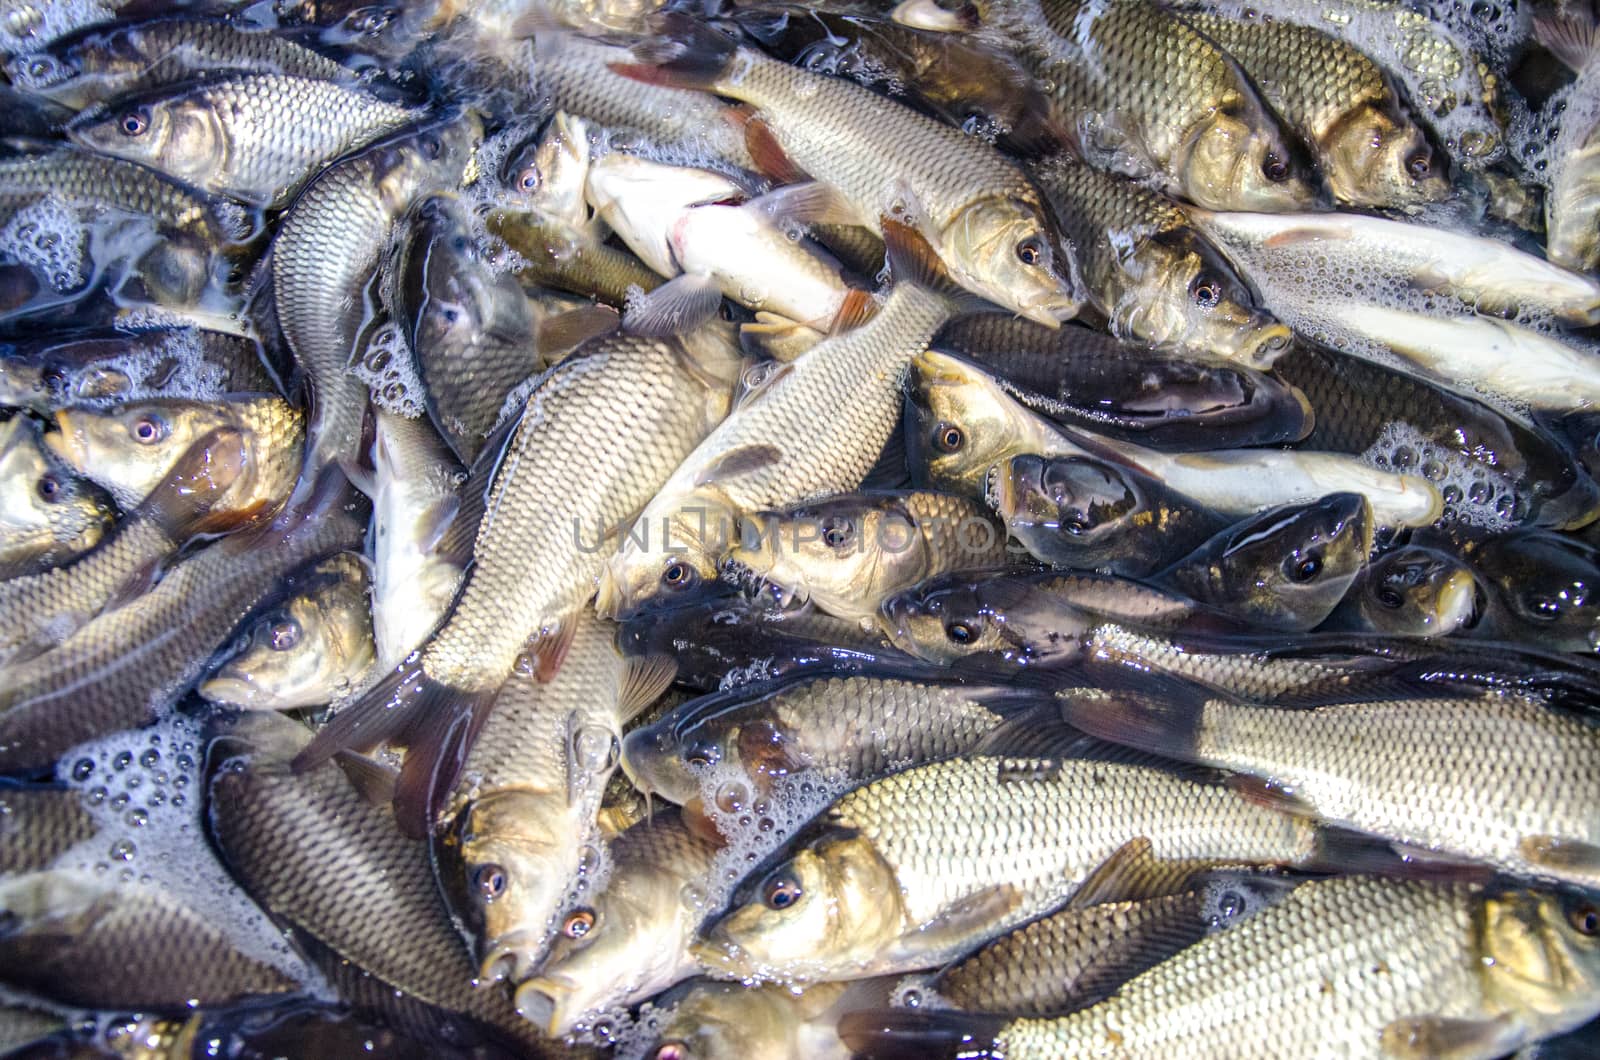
point(1134, 873)
point(681, 304)
point(857, 308)
point(1263, 792)
point(1036, 133)
point(805, 203)
point(891, 470)
point(681, 53)
point(373, 779)
point(181, 502)
point(550, 651)
point(1441, 1038)
point(379, 714)
point(1035, 733)
point(1291, 237)
point(1554, 852)
point(934, 17)
point(136, 584)
point(1570, 38)
point(768, 154)
point(438, 739)
point(922, 1034)
point(436, 523)
point(1162, 723)
point(644, 678)
point(460, 537)
point(777, 338)
point(562, 333)
point(744, 460)
point(977, 914)
point(912, 259)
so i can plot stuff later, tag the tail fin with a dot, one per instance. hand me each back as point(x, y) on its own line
point(911, 1034)
point(683, 53)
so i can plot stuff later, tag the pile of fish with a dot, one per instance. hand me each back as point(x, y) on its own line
point(1016, 528)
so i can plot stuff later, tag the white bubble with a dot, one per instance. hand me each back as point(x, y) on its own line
point(390, 373)
point(46, 235)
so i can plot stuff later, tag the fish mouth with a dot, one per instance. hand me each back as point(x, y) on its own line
point(543, 1001)
point(507, 961)
point(1272, 342)
point(234, 691)
point(1457, 601)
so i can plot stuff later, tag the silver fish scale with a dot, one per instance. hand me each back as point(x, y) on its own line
point(279, 129)
point(1244, 674)
point(598, 438)
point(81, 178)
point(1319, 974)
point(1044, 837)
point(1472, 776)
point(862, 144)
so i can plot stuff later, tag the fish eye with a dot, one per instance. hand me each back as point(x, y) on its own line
point(1543, 607)
point(1030, 251)
point(837, 535)
point(960, 632)
point(702, 753)
point(1274, 168)
point(432, 146)
point(49, 488)
point(490, 880)
point(781, 891)
point(1585, 920)
point(578, 923)
point(1206, 293)
point(679, 575)
point(1075, 525)
point(284, 634)
point(55, 377)
point(39, 67)
point(672, 1051)
point(528, 179)
point(1305, 569)
point(148, 430)
point(134, 122)
point(948, 438)
point(1420, 164)
point(1390, 598)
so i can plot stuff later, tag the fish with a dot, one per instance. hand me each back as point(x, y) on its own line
point(50, 514)
point(1477, 271)
point(541, 543)
point(311, 650)
point(631, 939)
point(845, 554)
point(1539, 588)
point(680, 223)
point(1151, 273)
point(524, 835)
point(1145, 93)
point(414, 491)
point(1571, 207)
point(39, 823)
point(1368, 149)
point(855, 726)
point(1077, 511)
point(385, 940)
point(328, 248)
point(57, 371)
point(1286, 568)
point(85, 940)
point(980, 214)
point(853, 379)
point(1491, 777)
point(885, 881)
point(126, 666)
point(112, 60)
point(225, 135)
point(966, 424)
point(129, 449)
point(711, 1020)
point(1412, 956)
point(1081, 377)
point(1410, 591)
point(40, 611)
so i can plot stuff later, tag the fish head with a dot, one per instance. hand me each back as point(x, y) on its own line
point(1235, 163)
point(44, 508)
point(130, 448)
point(455, 300)
point(41, 72)
point(1085, 506)
point(1548, 582)
point(1572, 216)
point(1181, 293)
point(562, 160)
point(641, 200)
point(992, 624)
point(1373, 158)
point(180, 135)
point(1540, 955)
point(962, 423)
point(1288, 567)
point(831, 903)
point(709, 1020)
point(659, 759)
point(1007, 251)
point(1418, 592)
point(506, 867)
point(660, 571)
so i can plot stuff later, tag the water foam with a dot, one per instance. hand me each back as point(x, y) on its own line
point(46, 235)
point(387, 368)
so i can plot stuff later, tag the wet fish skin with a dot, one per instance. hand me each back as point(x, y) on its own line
point(1571, 204)
point(557, 259)
point(227, 135)
point(846, 554)
point(1413, 956)
point(1410, 591)
point(128, 449)
point(713, 1020)
point(1151, 273)
point(1339, 102)
point(1286, 568)
point(49, 515)
point(1081, 512)
point(85, 940)
point(327, 250)
point(310, 650)
point(40, 822)
point(104, 62)
point(1540, 589)
point(632, 939)
point(884, 881)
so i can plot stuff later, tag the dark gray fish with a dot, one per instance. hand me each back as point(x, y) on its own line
point(1410, 591)
point(38, 823)
point(1541, 588)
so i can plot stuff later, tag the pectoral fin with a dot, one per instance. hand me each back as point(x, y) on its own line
point(1438, 1038)
point(974, 918)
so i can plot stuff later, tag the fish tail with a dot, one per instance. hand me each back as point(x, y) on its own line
point(683, 53)
point(909, 1034)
